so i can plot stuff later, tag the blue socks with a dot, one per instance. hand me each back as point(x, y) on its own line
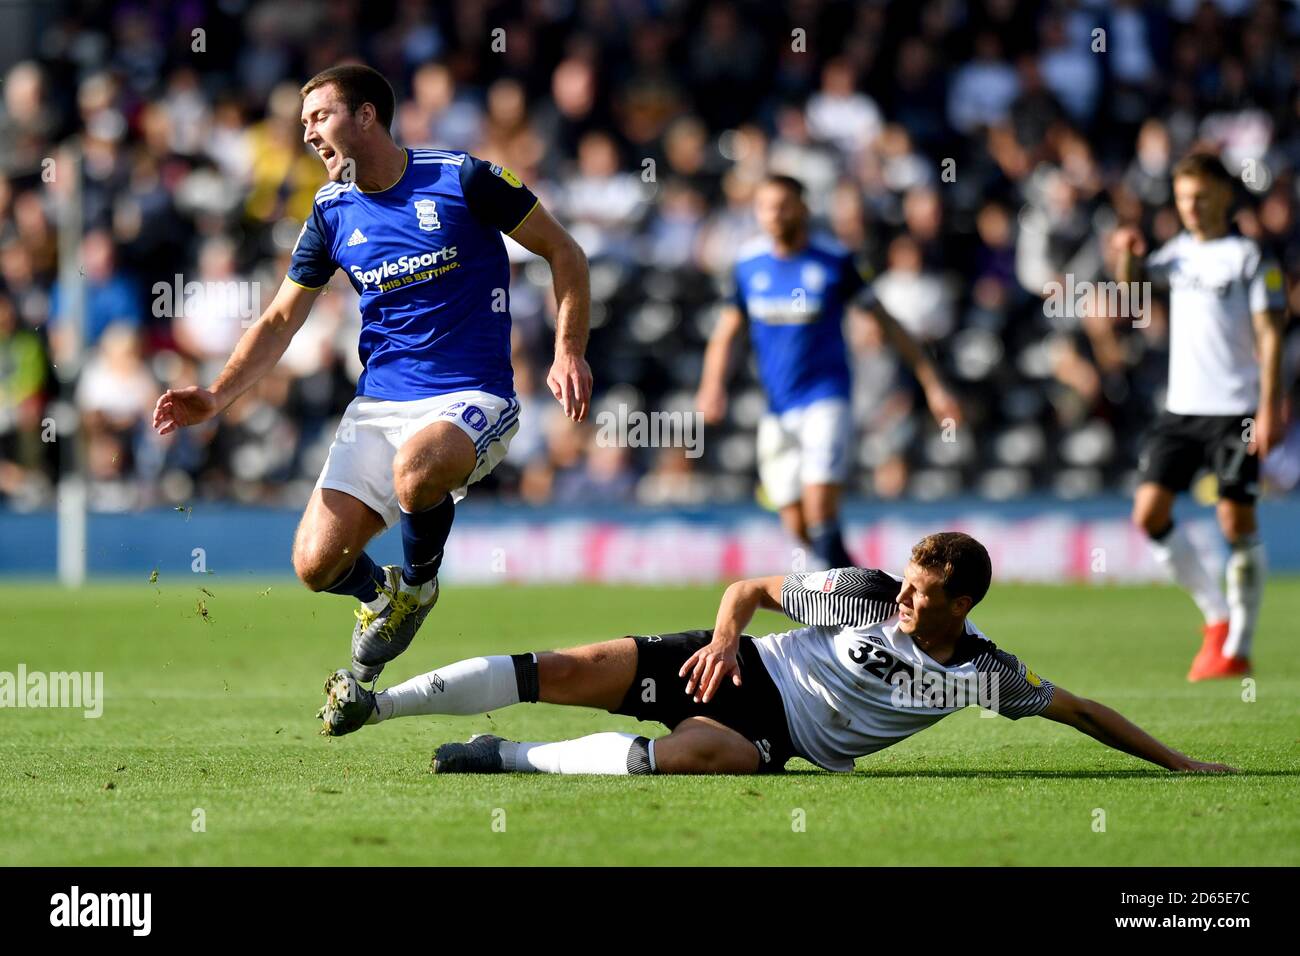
point(359, 580)
point(424, 534)
point(828, 545)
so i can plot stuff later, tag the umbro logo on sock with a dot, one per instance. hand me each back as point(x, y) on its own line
point(356, 238)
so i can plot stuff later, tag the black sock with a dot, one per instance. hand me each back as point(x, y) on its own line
point(828, 545)
point(358, 580)
point(424, 534)
point(526, 677)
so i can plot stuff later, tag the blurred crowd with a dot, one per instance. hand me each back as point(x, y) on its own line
point(969, 152)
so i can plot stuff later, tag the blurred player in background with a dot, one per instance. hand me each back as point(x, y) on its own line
point(792, 289)
point(1224, 402)
point(418, 232)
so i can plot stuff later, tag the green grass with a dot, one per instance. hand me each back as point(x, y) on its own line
point(218, 714)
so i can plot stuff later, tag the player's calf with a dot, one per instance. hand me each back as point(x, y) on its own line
point(426, 468)
point(699, 745)
point(329, 545)
point(607, 754)
point(477, 685)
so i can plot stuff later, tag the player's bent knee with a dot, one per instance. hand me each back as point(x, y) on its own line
point(1147, 524)
point(1153, 508)
point(701, 752)
point(556, 671)
point(1235, 529)
point(1151, 519)
point(420, 483)
point(797, 529)
point(316, 569)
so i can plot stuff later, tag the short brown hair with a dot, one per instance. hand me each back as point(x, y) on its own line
point(786, 182)
point(1203, 165)
point(960, 560)
point(357, 84)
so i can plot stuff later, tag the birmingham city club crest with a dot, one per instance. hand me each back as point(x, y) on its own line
point(426, 210)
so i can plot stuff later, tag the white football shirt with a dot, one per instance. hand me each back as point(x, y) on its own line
point(853, 683)
point(1214, 289)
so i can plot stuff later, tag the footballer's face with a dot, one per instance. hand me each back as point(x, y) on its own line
point(329, 128)
point(779, 211)
point(923, 605)
point(1202, 203)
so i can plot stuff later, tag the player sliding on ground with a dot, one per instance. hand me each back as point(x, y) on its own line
point(876, 663)
point(418, 232)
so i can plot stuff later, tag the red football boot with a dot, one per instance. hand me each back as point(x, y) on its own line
point(1210, 662)
point(1223, 667)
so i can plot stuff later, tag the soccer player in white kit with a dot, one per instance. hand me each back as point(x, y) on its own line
point(1224, 402)
point(879, 659)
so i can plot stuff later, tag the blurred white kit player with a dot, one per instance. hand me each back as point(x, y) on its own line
point(1223, 406)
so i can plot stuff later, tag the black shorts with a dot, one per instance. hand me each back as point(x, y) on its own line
point(1176, 447)
point(754, 709)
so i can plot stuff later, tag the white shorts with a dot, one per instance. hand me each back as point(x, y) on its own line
point(360, 461)
point(804, 446)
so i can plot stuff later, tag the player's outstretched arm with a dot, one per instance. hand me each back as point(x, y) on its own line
point(711, 398)
point(942, 404)
point(1270, 330)
point(706, 669)
point(570, 376)
point(256, 354)
point(1114, 730)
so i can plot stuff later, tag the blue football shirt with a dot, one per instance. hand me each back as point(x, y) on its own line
point(427, 259)
point(795, 309)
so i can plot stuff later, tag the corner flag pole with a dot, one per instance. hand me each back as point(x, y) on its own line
point(71, 493)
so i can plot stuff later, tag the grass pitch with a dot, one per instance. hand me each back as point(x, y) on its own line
point(209, 719)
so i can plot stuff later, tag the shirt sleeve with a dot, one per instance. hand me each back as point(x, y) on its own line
point(735, 292)
point(855, 290)
point(495, 195)
point(1013, 690)
point(312, 265)
point(841, 597)
point(1264, 284)
point(1157, 266)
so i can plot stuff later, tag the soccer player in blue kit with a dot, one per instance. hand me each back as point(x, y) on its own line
point(792, 289)
point(418, 232)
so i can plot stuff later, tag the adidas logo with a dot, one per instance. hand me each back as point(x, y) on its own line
point(356, 238)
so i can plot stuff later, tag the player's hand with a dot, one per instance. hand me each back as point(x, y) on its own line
point(1127, 239)
point(707, 668)
point(1188, 765)
point(179, 407)
point(942, 405)
point(570, 383)
point(1268, 434)
point(712, 403)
